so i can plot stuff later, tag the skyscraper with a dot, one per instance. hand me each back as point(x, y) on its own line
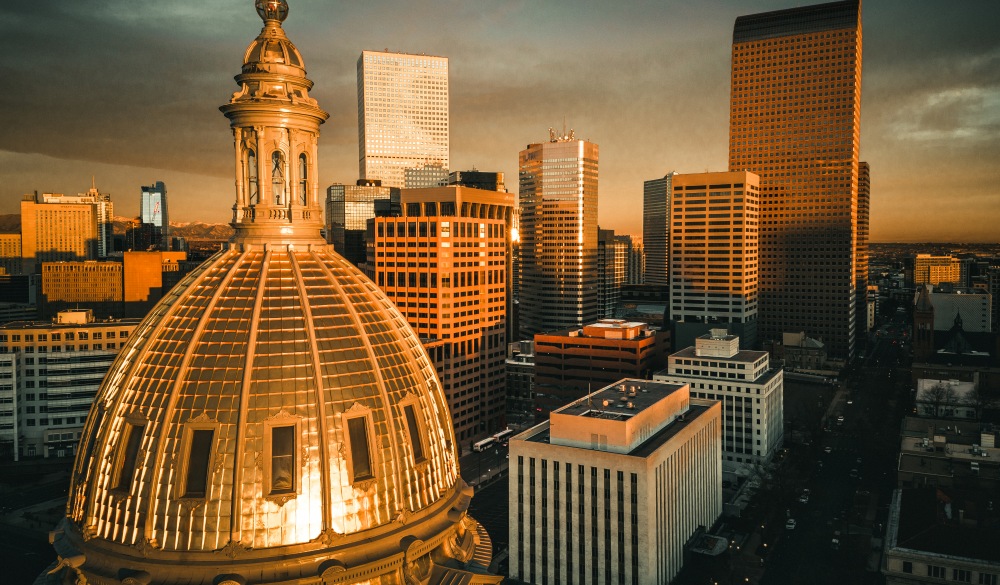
point(443, 262)
point(795, 121)
point(348, 209)
point(153, 210)
point(402, 114)
point(713, 255)
point(558, 198)
point(656, 229)
point(861, 256)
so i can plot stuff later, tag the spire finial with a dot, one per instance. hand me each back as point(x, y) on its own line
point(272, 10)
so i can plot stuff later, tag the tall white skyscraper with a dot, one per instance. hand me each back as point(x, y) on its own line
point(402, 114)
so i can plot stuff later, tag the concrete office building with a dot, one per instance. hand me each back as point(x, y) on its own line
point(656, 229)
point(795, 116)
point(558, 200)
point(862, 254)
point(611, 487)
point(636, 260)
point(153, 211)
point(93, 285)
point(443, 263)
point(935, 270)
point(10, 254)
point(974, 310)
point(403, 120)
point(59, 366)
point(9, 443)
point(714, 256)
point(751, 392)
point(348, 209)
point(570, 363)
point(56, 227)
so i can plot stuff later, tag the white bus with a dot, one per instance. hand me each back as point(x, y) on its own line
point(484, 444)
point(503, 435)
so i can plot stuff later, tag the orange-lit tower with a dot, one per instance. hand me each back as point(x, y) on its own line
point(795, 112)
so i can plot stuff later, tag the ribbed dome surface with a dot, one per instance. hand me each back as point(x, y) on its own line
point(261, 338)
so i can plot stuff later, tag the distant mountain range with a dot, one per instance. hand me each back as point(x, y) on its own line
point(192, 231)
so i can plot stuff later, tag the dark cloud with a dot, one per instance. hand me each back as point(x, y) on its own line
point(129, 90)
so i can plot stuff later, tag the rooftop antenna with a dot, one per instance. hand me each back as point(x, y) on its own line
point(590, 397)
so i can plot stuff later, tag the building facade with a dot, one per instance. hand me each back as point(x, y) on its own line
point(570, 363)
point(348, 209)
point(153, 211)
point(10, 254)
point(656, 229)
point(935, 270)
point(795, 116)
point(751, 392)
point(58, 367)
point(612, 267)
point(403, 119)
point(98, 286)
point(520, 375)
point(612, 486)
point(425, 176)
point(558, 201)
point(485, 180)
point(714, 257)
point(57, 228)
point(443, 262)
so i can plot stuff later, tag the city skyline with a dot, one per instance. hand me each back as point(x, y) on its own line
point(930, 102)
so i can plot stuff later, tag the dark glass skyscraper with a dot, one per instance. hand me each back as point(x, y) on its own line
point(795, 115)
point(656, 229)
point(348, 209)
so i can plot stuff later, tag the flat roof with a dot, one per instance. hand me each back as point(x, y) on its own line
point(54, 325)
point(540, 433)
point(743, 355)
point(929, 521)
point(646, 393)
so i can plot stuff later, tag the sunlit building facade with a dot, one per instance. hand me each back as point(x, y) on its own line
point(274, 419)
point(558, 231)
point(56, 227)
point(751, 392)
point(714, 255)
point(443, 262)
point(59, 366)
point(795, 114)
point(403, 120)
point(610, 488)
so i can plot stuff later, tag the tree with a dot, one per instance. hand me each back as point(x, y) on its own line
point(933, 399)
point(980, 399)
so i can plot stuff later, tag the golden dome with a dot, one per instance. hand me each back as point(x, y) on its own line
point(274, 419)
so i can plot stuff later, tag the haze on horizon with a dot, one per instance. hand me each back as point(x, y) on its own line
point(128, 92)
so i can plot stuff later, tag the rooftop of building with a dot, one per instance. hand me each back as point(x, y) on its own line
point(946, 521)
point(744, 355)
point(797, 21)
point(541, 433)
point(615, 329)
point(621, 400)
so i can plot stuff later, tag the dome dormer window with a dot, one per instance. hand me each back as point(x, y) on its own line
point(360, 451)
point(128, 455)
point(197, 462)
point(282, 457)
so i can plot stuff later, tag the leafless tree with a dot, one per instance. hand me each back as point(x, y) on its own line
point(935, 398)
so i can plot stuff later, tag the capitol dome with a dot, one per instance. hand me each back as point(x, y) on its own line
point(274, 419)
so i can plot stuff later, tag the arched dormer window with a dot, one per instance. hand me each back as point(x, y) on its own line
point(303, 179)
point(278, 177)
point(253, 186)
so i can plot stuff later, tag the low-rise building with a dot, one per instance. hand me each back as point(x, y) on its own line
point(57, 368)
point(751, 392)
point(937, 535)
point(611, 487)
point(570, 363)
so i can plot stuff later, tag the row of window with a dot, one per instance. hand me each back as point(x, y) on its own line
point(280, 452)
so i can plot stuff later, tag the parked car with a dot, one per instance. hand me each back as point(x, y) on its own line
point(790, 524)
